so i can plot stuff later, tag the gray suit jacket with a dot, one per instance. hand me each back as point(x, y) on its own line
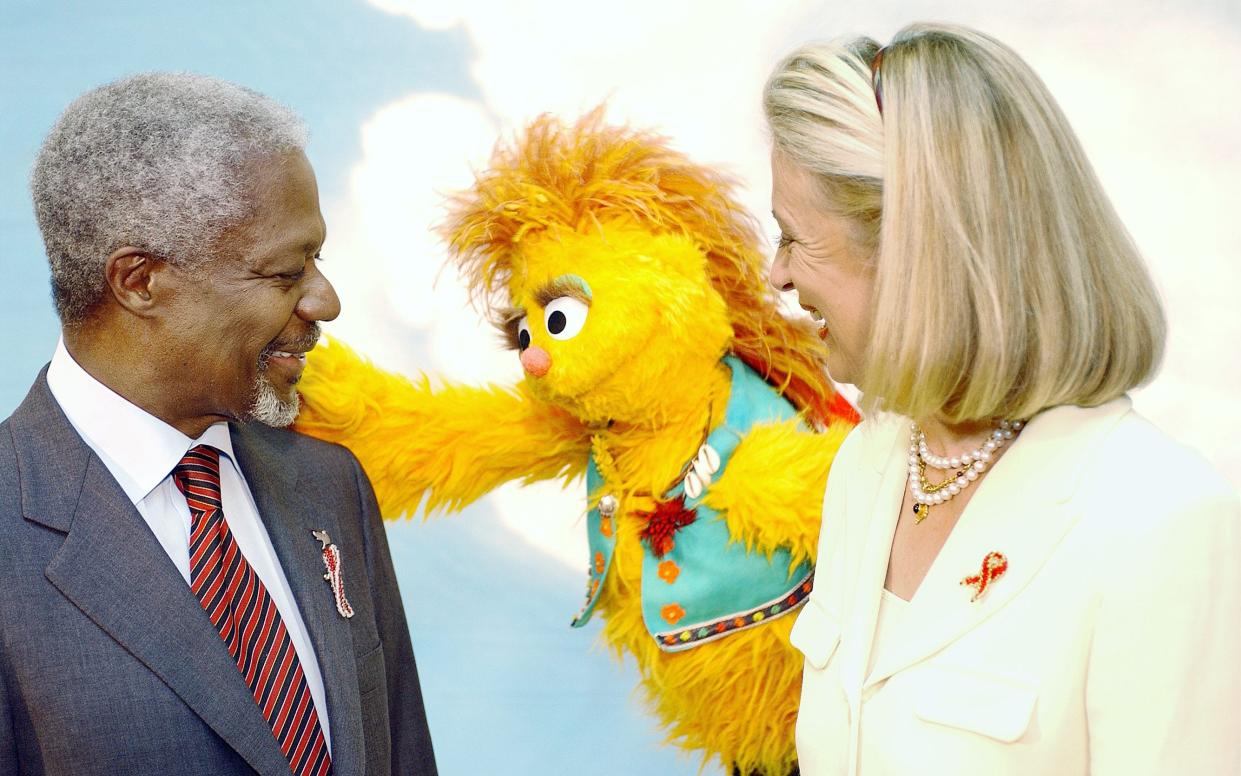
point(108, 665)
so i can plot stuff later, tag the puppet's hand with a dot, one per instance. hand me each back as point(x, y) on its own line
point(341, 393)
point(771, 492)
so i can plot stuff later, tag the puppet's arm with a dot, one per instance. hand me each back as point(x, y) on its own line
point(452, 444)
point(771, 492)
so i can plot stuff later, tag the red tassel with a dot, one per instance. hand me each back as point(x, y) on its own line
point(662, 524)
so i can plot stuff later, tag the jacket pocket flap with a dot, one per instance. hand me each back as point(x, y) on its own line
point(994, 706)
point(371, 670)
point(816, 634)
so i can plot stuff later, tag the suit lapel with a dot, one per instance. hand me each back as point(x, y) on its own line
point(290, 513)
point(1022, 509)
point(113, 569)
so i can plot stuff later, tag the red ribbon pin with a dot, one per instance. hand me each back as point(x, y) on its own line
point(993, 566)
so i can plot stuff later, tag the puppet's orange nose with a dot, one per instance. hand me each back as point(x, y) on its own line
point(536, 360)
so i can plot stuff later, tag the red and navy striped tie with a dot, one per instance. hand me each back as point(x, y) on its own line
point(241, 610)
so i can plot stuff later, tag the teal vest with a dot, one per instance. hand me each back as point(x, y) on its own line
point(711, 586)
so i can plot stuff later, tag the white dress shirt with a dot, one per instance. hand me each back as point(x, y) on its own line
point(140, 451)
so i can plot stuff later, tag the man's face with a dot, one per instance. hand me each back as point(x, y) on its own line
point(241, 324)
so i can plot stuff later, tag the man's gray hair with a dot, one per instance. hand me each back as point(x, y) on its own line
point(155, 161)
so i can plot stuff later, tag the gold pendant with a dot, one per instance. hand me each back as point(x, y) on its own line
point(921, 512)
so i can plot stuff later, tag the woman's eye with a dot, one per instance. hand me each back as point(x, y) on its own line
point(523, 333)
point(565, 317)
point(783, 241)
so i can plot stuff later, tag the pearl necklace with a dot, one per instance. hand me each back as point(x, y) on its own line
point(968, 467)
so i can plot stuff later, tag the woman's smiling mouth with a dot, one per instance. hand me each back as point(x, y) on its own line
point(818, 318)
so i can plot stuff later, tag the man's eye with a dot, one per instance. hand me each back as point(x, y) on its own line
point(299, 273)
point(783, 241)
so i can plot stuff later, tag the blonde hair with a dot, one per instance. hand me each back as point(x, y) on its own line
point(1004, 281)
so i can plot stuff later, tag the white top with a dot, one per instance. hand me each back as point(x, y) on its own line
point(140, 451)
point(1109, 645)
point(891, 609)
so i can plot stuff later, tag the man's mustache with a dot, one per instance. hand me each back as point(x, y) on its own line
point(301, 344)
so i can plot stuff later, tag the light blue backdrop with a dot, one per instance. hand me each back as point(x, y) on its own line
point(509, 688)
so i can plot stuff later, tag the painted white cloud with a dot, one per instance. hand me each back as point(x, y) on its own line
point(403, 304)
point(430, 14)
point(549, 517)
point(1146, 103)
point(693, 69)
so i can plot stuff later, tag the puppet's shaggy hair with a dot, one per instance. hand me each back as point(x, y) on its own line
point(558, 176)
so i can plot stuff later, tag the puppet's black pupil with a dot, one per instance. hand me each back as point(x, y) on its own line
point(523, 339)
point(556, 322)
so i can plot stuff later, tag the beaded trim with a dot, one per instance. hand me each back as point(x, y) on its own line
point(700, 633)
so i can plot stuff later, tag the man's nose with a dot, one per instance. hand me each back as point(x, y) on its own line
point(320, 302)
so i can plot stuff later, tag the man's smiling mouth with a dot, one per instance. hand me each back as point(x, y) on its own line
point(290, 355)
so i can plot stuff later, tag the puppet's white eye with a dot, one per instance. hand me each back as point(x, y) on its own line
point(523, 332)
point(565, 316)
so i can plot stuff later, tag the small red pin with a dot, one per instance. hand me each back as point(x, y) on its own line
point(993, 566)
point(331, 561)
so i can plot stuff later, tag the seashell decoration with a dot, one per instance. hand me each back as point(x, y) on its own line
point(701, 469)
point(693, 485)
point(709, 458)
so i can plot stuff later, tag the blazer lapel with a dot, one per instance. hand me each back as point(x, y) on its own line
point(862, 611)
point(290, 512)
point(113, 569)
point(1021, 510)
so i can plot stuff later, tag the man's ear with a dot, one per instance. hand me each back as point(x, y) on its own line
point(134, 279)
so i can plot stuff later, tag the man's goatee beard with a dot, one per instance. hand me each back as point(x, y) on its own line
point(269, 407)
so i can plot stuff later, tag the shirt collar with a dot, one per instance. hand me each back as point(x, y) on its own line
point(139, 449)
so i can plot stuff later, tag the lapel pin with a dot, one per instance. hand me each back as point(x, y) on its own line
point(993, 566)
point(331, 561)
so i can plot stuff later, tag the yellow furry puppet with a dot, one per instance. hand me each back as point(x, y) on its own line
point(632, 286)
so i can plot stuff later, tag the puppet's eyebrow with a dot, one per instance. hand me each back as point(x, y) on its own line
point(565, 285)
point(509, 316)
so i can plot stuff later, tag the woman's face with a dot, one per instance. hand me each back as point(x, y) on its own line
point(818, 257)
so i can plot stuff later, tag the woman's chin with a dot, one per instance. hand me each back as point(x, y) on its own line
point(838, 367)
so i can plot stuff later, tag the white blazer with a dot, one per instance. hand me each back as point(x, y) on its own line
point(1111, 644)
